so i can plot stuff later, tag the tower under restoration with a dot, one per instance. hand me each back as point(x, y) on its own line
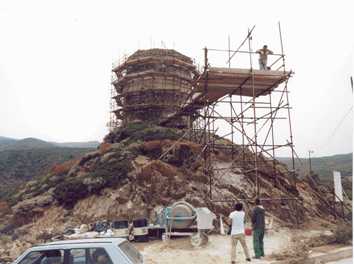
point(151, 85)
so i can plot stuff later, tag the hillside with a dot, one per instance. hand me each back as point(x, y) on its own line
point(23, 159)
point(323, 166)
point(141, 168)
point(21, 165)
point(27, 143)
point(5, 141)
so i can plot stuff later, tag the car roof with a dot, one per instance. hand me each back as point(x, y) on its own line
point(110, 240)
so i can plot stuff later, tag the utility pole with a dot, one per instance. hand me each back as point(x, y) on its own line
point(310, 165)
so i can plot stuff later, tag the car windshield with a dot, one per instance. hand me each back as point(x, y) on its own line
point(133, 254)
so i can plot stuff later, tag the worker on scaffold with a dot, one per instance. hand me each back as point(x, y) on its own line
point(263, 57)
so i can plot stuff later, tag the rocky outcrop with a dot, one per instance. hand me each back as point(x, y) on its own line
point(29, 208)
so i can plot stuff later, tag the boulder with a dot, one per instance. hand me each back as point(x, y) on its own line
point(28, 208)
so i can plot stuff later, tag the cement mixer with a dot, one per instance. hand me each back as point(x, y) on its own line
point(182, 216)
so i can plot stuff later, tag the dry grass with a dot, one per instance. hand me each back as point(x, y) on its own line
point(159, 167)
point(4, 208)
point(104, 148)
point(63, 168)
point(47, 225)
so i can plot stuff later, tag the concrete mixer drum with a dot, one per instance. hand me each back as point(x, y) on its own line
point(182, 215)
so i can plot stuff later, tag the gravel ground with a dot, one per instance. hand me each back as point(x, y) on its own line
point(180, 251)
point(343, 261)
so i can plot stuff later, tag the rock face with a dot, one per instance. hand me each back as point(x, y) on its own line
point(32, 207)
point(141, 168)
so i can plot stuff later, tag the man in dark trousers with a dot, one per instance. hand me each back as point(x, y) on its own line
point(258, 224)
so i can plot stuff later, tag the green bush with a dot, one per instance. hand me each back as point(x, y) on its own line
point(128, 130)
point(4, 239)
point(156, 133)
point(112, 174)
point(70, 191)
point(107, 174)
point(145, 132)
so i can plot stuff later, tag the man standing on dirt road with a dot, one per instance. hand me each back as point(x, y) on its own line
point(258, 224)
point(237, 232)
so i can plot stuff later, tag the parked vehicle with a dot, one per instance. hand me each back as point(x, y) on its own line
point(84, 251)
point(120, 228)
point(140, 230)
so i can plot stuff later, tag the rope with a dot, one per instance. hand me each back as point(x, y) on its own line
point(338, 126)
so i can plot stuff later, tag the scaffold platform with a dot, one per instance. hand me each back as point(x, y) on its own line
point(234, 81)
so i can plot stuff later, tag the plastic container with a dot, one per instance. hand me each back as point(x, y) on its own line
point(248, 231)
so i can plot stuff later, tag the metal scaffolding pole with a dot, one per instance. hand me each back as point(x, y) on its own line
point(254, 114)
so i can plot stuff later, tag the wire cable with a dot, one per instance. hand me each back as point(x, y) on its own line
point(339, 124)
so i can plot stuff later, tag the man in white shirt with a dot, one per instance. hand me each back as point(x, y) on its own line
point(238, 232)
point(263, 57)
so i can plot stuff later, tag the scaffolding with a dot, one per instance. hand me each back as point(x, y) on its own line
point(242, 105)
point(256, 100)
point(149, 85)
point(235, 110)
point(113, 107)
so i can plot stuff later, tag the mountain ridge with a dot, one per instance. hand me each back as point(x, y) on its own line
point(7, 143)
point(323, 166)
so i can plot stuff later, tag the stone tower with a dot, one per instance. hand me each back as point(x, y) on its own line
point(152, 85)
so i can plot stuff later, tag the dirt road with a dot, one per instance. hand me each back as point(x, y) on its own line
point(180, 251)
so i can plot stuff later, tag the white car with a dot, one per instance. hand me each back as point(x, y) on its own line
point(84, 251)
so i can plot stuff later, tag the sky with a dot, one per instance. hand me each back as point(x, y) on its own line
point(56, 59)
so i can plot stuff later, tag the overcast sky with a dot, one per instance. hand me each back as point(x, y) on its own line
point(56, 58)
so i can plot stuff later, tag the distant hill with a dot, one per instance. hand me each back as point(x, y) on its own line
point(4, 141)
point(88, 144)
point(324, 166)
point(35, 143)
point(27, 143)
point(22, 160)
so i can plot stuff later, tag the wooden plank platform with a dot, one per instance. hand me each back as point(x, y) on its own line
point(223, 81)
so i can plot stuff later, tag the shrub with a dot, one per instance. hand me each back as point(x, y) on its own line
point(343, 233)
point(104, 148)
point(104, 175)
point(63, 168)
point(4, 239)
point(145, 132)
point(4, 208)
point(156, 133)
point(70, 191)
point(113, 174)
